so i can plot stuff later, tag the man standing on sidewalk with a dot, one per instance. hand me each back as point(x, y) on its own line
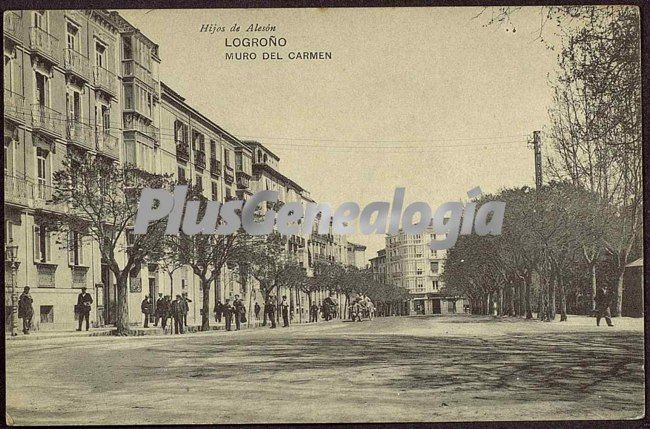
point(186, 308)
point(26, 310)
point(239, 312)
point(146, 310)
point(159, 309)
point(313, 317)
point(83, 307)
point(218, 311)
point(284, 306)
point(177, 314)
point(602, 306)
point(257, 311)
point(269, 308)
point(227, 310)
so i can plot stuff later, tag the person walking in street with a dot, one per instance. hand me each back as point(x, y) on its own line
point(177, 314)
point(146, 310)
point(313, 313)
point(603, 299)
point(218, 311)
point(269, 307)
point(257, 311)
point(84, 300)
point(227, 314)
point(26, 310)
point(186, 308)
point(239, 312)
point(284, 307)
point(159, 307)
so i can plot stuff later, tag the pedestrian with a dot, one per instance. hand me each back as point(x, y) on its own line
point(177, 314)
point(284, 307)
point(257, 311)
point(165, 311)
point(218, 311)
point(227, 311)
point(603, 299)
point(269, 307)
point(313, 314)
point(159, 308)
point(146, 310)
point(239, 312)
point(26, 310)
point(84, 300)
point(186, 307)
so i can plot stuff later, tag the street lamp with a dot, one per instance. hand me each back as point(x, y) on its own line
point(12, 252)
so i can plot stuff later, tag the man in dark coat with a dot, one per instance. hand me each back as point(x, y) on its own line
point(270, 310)
point(239, 312)
point(218, 311)
point(26, 310)
point(165, 310)
point(186, 307)
point(257, 310)
point(146, 310)
point(603, 299)
point(84, 300)
point(227, 311)
point(284, 306)
point(159, 309)
point(313, 317)
point(177, 314)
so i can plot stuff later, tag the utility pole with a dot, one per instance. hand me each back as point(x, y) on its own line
point(537, 147)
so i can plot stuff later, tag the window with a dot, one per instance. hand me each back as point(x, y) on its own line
point(73, 102)
point(41, 244)
point(8, 74)
point(435, 266)
point(213, 149)
point(128, 97)
point(106, 117)
point(226, 157)
point(180, 132)
point(42, 89)
point(418, 271)
point(228, 194)
point(199, 182)
point(75, 249)
point(42, 172)
point(127, 49)
point(47, 314)
point(9, 232)
point(100, 55)
point(72, 37)
point(40, 19)
point(215, 191)
point(181, 175)
point(434, 283)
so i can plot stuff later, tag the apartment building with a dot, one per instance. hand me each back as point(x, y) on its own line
point(60, 94)
point(378, 266)
point(411, 264)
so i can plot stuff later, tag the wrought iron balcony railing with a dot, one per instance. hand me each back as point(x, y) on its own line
point(80, 133)
point(199, 160)
point(108, 143)
point(18, 190)
point(77, 63)
point(47, 120)
point(215, 167)
point(131, 68)
point(14, 106)
point(43, 42)
point(105, 80)
point(182, 151)
point(13, 25)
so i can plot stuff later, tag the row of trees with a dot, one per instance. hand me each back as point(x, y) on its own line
point(585, 225)
point(101, 201)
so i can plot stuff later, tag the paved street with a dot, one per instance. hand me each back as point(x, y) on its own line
point(390, 369)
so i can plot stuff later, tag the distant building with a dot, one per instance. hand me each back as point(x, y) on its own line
point(411, 264)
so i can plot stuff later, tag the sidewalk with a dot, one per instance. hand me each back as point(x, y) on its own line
point(135, 331)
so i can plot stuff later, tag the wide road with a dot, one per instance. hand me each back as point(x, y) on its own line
point(389, 369)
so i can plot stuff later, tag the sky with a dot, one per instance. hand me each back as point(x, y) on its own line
point(429, 99)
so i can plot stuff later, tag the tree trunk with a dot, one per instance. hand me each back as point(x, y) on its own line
point(205, 312)
point(527, 281)
point(594, 286)
point(563, 316)
point(122, 306)
point(618, 307)
point(511, 300)
point(551, 297)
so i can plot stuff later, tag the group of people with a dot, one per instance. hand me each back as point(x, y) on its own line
point(229, 311)
point(362, 306)
point(165, 309)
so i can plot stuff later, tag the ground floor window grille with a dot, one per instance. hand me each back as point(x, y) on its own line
point(47, 314)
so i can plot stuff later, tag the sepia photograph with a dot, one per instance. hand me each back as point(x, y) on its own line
point(323, 215)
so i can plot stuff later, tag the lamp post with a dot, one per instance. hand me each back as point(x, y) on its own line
point(12, 253)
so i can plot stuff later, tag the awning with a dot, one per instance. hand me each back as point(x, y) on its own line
point(637, 263)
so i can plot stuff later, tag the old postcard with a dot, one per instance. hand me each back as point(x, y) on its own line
point(334, 215)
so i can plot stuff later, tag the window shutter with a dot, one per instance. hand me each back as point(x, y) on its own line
point(81, 250)
point(71, 248)
point(37, 247)
point(48, 255)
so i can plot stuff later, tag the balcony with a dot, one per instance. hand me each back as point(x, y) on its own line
point(133, 123)
point(18, 191)
point(105, 80)
point(107, 143)
point(182, 151)
point(42, 195)
point(199, 160)
point(229, 175)
point(47, 121)
point(14, 106)
point(43, 43)
point(131, 68)
point(80, 134)
point(215, 167)
point(13, 26)
point(77, 64)
point(243, 180)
